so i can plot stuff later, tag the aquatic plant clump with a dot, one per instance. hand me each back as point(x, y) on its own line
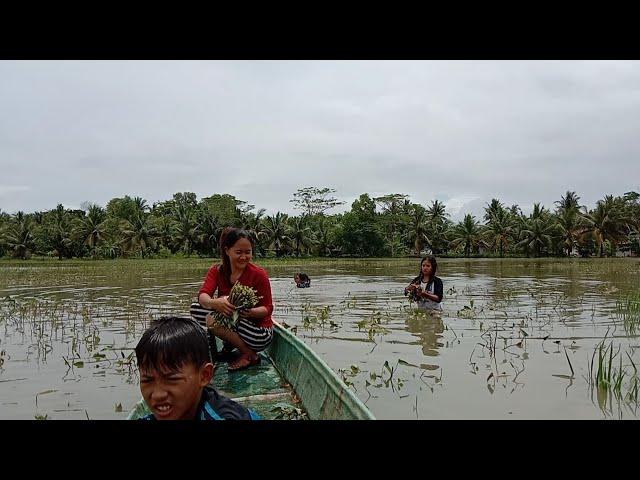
point(413, 297)
point(284, 411)
point(242, 297)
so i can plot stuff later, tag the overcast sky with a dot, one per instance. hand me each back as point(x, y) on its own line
point(462, 132)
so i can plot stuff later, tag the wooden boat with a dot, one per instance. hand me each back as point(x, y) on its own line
point(291, 381)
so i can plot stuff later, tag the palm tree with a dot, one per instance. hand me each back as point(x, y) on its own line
point(19, 236)
point(537, 233)
point(141, 205)
point(406, 207)
point(210, 230)
point(324, 236)
point(186, 228)
point(110, 249)
point(515, 210)
point(90, 230)
point(492, 209)
point(3, 232)
point(392, 219)
point(467, 233)
point(300, 233)
point(605, 222)
point(438, 235)
point(38, 218)
point(436, 213)
point(569, 201)
point(60, 232)
point(418, 227)
point(138, 232)
point(568, 222)
point(252, 222)
point(275, 228)
point(538, 211)
point(631, 201)
point(439, 224)
point(165, 226)
point(499, 229)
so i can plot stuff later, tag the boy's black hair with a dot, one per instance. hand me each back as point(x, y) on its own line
point(171, 342)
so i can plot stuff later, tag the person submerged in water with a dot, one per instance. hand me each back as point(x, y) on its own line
point(426, 289)
point(175, 371)
point(302, 280)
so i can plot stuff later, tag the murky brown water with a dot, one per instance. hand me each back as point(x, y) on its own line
point(68, 328)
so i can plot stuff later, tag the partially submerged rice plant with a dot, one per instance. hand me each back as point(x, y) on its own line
point(628, 311)
point(607, 376)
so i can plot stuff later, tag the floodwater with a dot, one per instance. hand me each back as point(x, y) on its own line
point(516, 337)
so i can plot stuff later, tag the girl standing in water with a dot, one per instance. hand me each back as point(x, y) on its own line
point(426, 288)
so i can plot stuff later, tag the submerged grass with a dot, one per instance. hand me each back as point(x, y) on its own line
point(628, 312)
point(496, 314)
point(607, 375)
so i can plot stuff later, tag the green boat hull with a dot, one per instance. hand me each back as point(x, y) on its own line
point(290, 366)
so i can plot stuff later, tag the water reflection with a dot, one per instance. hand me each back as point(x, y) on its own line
point(428, 327)
point(74, 324)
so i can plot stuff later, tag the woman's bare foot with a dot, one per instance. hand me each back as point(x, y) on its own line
point(243, 362)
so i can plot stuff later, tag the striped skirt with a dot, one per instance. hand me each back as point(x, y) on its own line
point(256, 338)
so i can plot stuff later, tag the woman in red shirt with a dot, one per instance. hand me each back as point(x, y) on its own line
point(255, 328)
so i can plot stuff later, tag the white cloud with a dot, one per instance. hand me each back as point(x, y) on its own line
point(456, 204)
point(11, 189)
point(520, 131)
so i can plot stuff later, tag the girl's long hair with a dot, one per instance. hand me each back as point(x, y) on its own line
point(434, 268)
point(228, 239)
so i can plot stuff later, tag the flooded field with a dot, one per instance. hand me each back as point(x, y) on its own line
point(517, 338)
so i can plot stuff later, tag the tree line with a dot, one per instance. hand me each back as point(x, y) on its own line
point(389, 225)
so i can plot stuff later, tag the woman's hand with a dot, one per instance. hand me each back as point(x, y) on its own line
point(223, 305)
point(208, 319)
point(426, 295)
point(254, 314)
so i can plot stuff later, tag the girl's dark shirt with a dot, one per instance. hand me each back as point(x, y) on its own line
point(438, 288)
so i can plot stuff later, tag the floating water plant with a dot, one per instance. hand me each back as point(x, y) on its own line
point(285, 411)
point(316, 316)
point(468, 311)
point(348, 374)
point(373, 325)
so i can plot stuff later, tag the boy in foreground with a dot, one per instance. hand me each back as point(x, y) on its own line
point(175, 371)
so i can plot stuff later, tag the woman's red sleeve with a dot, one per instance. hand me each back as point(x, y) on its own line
point(263, 286)
point(210, 282)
